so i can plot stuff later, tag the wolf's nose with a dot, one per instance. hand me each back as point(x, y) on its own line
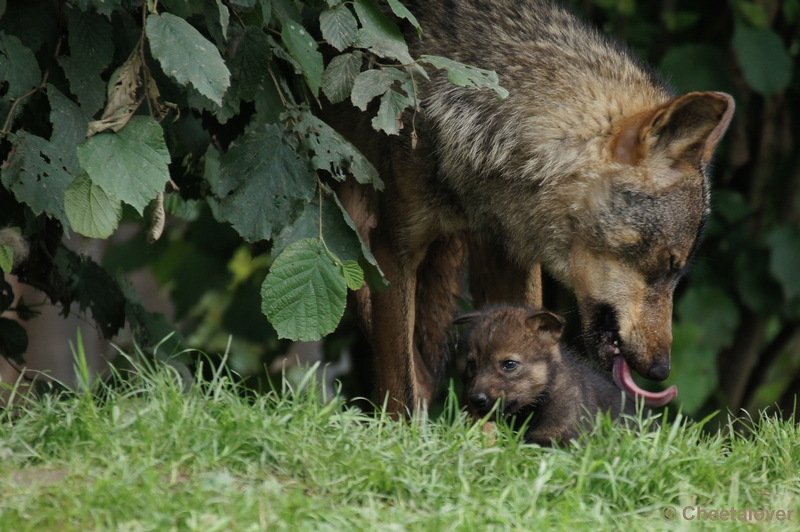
point(658, 371)
point(478, 400)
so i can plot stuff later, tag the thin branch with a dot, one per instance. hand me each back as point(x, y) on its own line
point(766, 359)
point(277, 87)
point(41, 86)
point(416, 108)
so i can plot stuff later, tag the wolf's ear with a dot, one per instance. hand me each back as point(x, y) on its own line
point(685, 129)
point(466, 318)
point(546, 323)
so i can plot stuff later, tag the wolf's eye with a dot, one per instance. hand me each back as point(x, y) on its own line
point(509, 365)
point(471, 366)
point(670, 268)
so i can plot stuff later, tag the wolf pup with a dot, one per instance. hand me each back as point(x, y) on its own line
point(515, 356)
point(590, 167)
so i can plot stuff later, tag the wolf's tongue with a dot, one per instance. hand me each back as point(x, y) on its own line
point(624, 381)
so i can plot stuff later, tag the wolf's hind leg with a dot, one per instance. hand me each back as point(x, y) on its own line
point(438, 284)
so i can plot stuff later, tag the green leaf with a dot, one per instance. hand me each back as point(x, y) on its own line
point(304, 49)
point(244, 319)
point(765, 63)
point(332, 152)
point(187, 56)
point(731, 205)
point(679, 20)
point(36, 176)
point(304, 293)
point(392, 106)
point(791, 11)
point(188, 210)
point(373, 273)
point(90, 210)
point(104, 7)
point(224, 17)
point(230, 103)
point(263, 186)
point(24, 312)
point(13, 340)
point(755, 285)
point(32, 21)
point(754, 14)
point(70, 123)
point(694, 367)
point(340, 236)
point(269, 105)
point(153, 328)
point(372, 83)
point(130, 165)
point(18, 67)
point(90, 39)
point(340, 75)
point(6, 258)
point(402, 12)
point(250, 63)
point(6, 294)
point(714, 311)
point(697, 67)
point(92, 287)
point(184, 8)
point(85, 83)
point(784, 243)
point(466, 76)
point(339, 27)
point(11, 240)
point(266, 10)
point(353, 274)
point(380, 34)
point(340, 239)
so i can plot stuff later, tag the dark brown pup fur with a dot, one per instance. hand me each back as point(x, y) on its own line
point(591, 167)
point(515, 357)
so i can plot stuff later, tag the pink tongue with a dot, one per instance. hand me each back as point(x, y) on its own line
point(624, 381)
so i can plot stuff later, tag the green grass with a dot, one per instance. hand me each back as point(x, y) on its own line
point(149, 455)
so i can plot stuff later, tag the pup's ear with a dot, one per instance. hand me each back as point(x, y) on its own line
point(685, 129)
point(546, 323)
point(466, 318)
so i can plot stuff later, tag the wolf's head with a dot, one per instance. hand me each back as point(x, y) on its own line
point(639, 227)
point(513, 354)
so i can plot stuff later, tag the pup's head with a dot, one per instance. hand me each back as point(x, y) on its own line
point(637, 229)
point(512, 356)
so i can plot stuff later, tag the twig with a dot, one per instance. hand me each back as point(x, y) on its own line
point(416, 108)
point(765, 360)
point(33, 91)
point(277, 87)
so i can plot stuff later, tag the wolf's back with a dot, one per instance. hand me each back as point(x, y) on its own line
point(567, 83)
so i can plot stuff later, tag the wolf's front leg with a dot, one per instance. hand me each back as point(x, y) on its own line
point(393, 315)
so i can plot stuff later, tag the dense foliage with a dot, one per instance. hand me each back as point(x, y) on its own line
point(192, 119)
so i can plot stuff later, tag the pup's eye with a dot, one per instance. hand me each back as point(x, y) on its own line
point(471, 366)
point(509, 365)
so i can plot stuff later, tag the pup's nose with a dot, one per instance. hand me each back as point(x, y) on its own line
point(658, 371)
point(478, 400)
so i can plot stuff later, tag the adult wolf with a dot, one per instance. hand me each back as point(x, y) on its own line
point(590, 167)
